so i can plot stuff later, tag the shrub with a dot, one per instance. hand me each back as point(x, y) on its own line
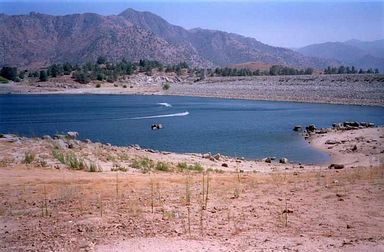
point(144, 164)
point(98, 85)
point(161, 166)
point(94, 167)
point(58, 155)
point(3, 80)
point(166, 86)
point(29, 157)
point(118, 167)
point(182, 166)
point(195, 167)
point(71, 160)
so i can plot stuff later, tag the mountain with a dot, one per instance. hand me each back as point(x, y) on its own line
point(361, 54)
point(37, 40)
point(220, 48)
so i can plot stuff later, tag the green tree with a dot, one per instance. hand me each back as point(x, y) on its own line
point(9, 73)
point(43, 75)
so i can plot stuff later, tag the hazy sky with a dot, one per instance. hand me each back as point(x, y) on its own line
point(280, 23)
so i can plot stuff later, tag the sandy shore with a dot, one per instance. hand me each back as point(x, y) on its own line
point(337, 89)
point(250, 205)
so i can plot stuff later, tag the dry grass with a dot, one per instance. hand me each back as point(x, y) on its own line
point(193, 204)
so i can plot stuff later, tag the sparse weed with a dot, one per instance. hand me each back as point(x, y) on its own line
point(118, 167)
point(144, 164)
point(73, 162)
point(181, 167)
point(161, 166)
point(29, 157)
point(94, 167)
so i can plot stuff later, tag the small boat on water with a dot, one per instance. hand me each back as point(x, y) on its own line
point(156, 126)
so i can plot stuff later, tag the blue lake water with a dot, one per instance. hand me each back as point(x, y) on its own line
point(252, 129)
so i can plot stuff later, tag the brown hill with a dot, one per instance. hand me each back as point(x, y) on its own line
point(36, 40)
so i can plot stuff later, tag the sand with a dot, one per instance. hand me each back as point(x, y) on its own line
point(251, 205)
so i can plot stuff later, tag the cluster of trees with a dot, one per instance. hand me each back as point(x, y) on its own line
point(11, 73)
point(101, 70)
point(349, 70)
point(110, 72)
point(274, 70)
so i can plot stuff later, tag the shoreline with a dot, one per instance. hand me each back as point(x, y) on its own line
point(362, 146)
point(359, 90)
point(190, 95)
point(251, 206)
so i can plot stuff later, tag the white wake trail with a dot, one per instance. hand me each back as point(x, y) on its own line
point(165, 104)
point(159, 116)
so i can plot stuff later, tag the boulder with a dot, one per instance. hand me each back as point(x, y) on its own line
point(331, 142)
point(47, 137)
point(321, 131)
point(310, 128)
point(283, 160)
point(336, 166)
point(224, 165)
point(72, 135)
point(61, 144)
point(267, 160)
point(206, 155)
point(217, 156)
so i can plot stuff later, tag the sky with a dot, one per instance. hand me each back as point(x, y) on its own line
point(284, 23)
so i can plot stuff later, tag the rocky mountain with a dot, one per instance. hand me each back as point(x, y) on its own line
point(361, 54)
point(36, 40)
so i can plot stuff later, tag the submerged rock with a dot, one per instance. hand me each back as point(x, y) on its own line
point(298, 128)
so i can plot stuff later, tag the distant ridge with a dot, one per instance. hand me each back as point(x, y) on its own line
point(361, 54)
point(37, 40)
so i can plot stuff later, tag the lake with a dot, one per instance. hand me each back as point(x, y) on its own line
point(250, 129)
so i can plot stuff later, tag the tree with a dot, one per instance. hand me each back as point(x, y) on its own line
point(9, 73)
point(43, 75)
point(308, 71)
point(341, 70)
point(101, 60)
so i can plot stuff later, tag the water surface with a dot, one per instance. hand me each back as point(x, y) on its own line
point(252, 129)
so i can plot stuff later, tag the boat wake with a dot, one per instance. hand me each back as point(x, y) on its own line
point(165, 104)
point(160, 116)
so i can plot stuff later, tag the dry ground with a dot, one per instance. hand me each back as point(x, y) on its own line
point(45, 209)
point(267, 207)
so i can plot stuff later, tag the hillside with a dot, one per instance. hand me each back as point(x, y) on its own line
point(361, 54)
point(36, 40)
